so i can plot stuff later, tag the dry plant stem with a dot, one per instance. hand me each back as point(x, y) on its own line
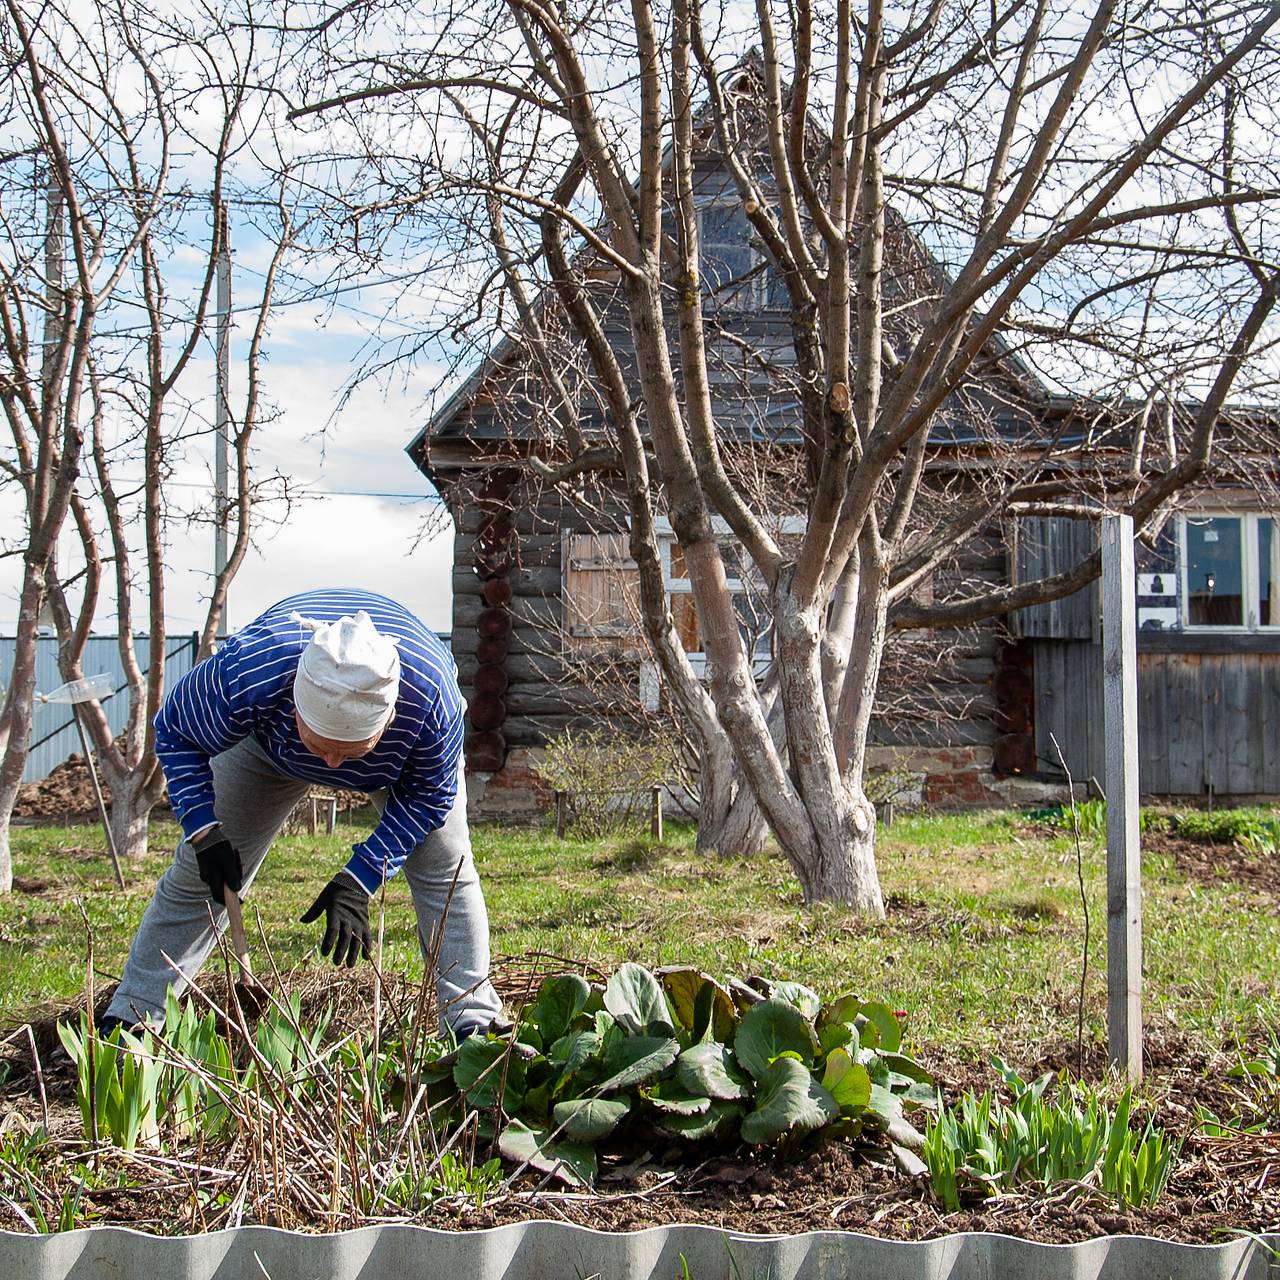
point(1084, 903)
point(91, 1030)
point(35, 1059)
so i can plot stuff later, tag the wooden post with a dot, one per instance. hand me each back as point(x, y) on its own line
point(1120, 728)
point(562, 814)
point(655, 814)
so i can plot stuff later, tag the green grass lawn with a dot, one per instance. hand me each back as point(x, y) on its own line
point(982, 944)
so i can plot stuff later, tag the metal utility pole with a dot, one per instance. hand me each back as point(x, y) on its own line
point(222, 410)
point(1124, 862)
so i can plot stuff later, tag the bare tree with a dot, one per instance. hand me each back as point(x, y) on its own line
point(115, 424)
point(66, 252)
point(989, 241)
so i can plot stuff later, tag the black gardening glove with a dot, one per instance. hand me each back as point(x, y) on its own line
point(219, 863)
point(346, 908)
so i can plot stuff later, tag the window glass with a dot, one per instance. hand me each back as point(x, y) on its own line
point(1268, 610)
point(728, 260)
point(1215, 593)
point(754, 623)
point(684, 614)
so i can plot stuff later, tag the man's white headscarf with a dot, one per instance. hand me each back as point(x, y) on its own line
point(348, 678)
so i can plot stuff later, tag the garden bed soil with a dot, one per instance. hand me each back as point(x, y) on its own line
point(1209, 863)
point(64, 795)
point(1220, 1186)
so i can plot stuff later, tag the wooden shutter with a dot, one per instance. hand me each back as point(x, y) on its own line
point(601, 593)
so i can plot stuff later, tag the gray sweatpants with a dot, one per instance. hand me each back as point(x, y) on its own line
point(252, 799)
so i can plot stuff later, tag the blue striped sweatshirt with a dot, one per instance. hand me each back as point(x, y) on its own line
point(246, 690)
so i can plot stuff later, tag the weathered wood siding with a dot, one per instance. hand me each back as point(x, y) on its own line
point(924, 702)
point(1044, 547)
point(1204, 719)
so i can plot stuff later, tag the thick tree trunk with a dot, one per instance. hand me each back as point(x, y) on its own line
point(132, 802)
point(845, 870)
point(130, 828)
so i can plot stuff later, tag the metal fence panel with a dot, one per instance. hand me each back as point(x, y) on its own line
point(547, 1250)
point(53, 731)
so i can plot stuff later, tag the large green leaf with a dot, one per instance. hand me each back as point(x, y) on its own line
point(637, 1060)
point(671, 1099)
point(842, 1009)
point(847, 1082)
point(788, 1100)
point(682, 984)
point(839, 1035)
point(572, 1052)
point(701, 1005)
point(715, 1122)
point(637, 1002)
point(571, 1162)
point(884, 1105)
point(887, 1027)
point(560, 1000)
point(709, 1068)
point(903, 1065)
point(770, 1028)
point(586, 1119)
point(481, 1073)
point(796, 993)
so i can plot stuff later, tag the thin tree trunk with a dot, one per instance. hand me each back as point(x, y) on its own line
point(730, 822)
point(18, 710)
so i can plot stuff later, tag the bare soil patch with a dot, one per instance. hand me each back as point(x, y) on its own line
point(65, 795)
point(1210, 863)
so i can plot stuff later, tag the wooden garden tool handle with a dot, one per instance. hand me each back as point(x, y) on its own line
point(239, 944)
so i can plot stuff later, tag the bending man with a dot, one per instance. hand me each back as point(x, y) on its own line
point(344, 688)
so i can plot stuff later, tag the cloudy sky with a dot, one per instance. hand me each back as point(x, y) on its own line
point(362, 504)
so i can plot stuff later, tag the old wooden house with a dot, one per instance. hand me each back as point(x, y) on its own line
point(542, 584)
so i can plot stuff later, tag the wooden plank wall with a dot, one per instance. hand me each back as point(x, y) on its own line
point(1045, 546)
point(952, 708)
point(1204, 719)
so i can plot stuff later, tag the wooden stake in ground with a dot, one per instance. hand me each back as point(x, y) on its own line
point(239, 943)
point(73, 693)
point(1124, 863)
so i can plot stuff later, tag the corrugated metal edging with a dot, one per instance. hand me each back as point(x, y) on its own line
point(53, 731)
point(560, 1251)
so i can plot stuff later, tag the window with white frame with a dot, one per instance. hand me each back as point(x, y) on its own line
point(1230, 570)
point(755, 622)
point(734, 270)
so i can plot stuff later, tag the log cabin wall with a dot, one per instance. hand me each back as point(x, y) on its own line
point(512, 634)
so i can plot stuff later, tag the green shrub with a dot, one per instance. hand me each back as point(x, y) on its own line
point(1091, 816)
point(678, 1055)
point(982, 1147)
point(606, 775)
point(1223, 826)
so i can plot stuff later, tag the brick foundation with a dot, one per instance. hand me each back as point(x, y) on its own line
point(941, 778)
point(513, 793)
